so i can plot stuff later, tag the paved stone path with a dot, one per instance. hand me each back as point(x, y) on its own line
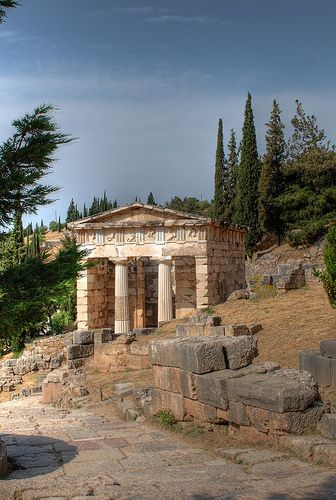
point(81, 454)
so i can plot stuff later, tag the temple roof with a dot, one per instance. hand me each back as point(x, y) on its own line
point(138, 212)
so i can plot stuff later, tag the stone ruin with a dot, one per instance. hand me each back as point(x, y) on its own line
point(321, 363)
point(212, 380)
point(42, 356)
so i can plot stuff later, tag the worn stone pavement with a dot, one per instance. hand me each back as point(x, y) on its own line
point(82, 454)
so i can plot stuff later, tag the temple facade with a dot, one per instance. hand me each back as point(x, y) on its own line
point(153, 264)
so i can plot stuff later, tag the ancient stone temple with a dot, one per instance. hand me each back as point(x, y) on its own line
point(154, 264)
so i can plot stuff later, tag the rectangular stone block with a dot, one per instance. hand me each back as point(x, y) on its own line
point(103, 335)
point(82, 337)
point(281, 391)
point(201, 355)
point(293, 422)
point(166, 378)
point(236, 330)
point(237, 414)
point(239, 351)
point(317, 365)
point(328, 348)
point(195, 330)
point(187, 384)
point(80, 351)
point(215, 330)
point(199, 411)
point(167, 401)
point(164, 353)
point(181, 330)
point(327, 426)
point(211, 388)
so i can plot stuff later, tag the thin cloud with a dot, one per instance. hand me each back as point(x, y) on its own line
point(159, 15)
point(173, 18)
point(11, 36)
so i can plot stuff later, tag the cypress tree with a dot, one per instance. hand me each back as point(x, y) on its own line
point(230, 189)
point(150, 199)
point(271, 178)
point(71, 213)
point(247, 207)
point(218, 205)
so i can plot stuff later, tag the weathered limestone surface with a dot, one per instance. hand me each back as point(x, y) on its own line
point(211, 379)
point(321, 364)
point(327, 426)
point(280, 391)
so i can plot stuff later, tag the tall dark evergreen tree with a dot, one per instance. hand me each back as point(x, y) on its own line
point(218, 205)
point(247, 208)
point(71, 213)
point(150, 199)
point(271, 178)
point(230, 188)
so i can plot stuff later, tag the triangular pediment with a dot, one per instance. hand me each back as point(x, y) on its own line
point(138, 213)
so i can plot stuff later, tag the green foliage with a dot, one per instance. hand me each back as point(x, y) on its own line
point(308, 201)
point(218, 204)
point(306, 235)
point(166, 418)
point(59, 321)
point(25, 158)
point(190, 205)
point(6, 4)
point(271, 178)
point(328, 277)
point(209, 310)
point(247, 201)
point(230, 186)
point(33, 291)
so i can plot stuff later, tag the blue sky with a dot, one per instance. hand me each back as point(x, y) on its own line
point(143, 83)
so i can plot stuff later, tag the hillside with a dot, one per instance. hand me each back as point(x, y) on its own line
point(291, 322)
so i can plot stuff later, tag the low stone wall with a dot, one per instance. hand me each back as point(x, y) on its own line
point(42, 355)
point(211, 379)
point(108, 350)
point(203, 325)
point(321, 363)
point(3, 460)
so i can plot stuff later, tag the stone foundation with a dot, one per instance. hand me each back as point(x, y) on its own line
point(211, 380)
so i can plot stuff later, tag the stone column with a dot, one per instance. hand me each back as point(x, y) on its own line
point(165, 303)
point(121, 313)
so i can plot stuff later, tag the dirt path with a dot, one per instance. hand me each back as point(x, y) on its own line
point(84, 454)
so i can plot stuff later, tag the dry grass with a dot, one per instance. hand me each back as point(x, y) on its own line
point(291, 322)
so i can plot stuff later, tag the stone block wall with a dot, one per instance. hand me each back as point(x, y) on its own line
point(42, 355)
point(212, 380)
point(151, 292)
point(321, 363)
point(185, 285)
point(225, 263)
point(95, 296)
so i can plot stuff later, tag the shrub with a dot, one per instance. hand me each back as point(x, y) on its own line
point(328, 277)
point(59, 321)
point(306, 235)
point(166, 418)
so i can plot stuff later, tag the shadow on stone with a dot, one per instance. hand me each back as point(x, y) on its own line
point(30, 456)
point(322, 491)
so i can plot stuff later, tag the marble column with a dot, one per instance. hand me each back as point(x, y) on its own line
point(165, 303)
point(121, 313)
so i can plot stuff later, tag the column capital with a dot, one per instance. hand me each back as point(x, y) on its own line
point(121, 261)
point(165, 260)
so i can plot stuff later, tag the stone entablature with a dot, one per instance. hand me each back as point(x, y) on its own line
point(173, 263)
